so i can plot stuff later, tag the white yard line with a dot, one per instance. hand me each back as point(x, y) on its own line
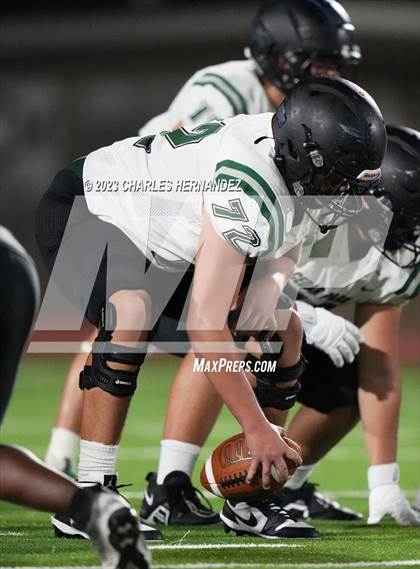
point(406, 563)
point(212, 546)
point(344, 565)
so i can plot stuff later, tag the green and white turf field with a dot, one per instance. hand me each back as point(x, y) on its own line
point(26, 538)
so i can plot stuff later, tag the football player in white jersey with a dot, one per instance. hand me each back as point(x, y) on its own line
point(290, 40)
point(329, 402)
point(278, 57)
point(370, 392)
point(326, 139)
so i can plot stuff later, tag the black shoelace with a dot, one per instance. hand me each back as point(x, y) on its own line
point(189, 492)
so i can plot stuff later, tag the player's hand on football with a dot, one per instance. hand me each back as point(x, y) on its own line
point(268, 449)
point(259, 305)
point(389, 500)
point(339, 338)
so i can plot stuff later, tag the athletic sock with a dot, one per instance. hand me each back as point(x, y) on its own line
point(381, 474)
point(300, 476)
point(176, 455)
point(97, 461)
point(63, 449)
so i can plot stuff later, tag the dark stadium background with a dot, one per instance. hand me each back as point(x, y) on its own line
point(79, 75)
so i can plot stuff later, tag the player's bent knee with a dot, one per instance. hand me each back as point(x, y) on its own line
point(133, 308)
point(118, 382)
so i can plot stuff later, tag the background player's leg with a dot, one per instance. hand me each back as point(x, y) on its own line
point(317, 433)
point(193, 398)
point(63, 448)
point(329, 411)
point(379, 397)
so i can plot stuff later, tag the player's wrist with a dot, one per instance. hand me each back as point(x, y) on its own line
point(256, 426)
point(383, 475)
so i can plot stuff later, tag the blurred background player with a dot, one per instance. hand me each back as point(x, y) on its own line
point(102, 515)
point(290, 40)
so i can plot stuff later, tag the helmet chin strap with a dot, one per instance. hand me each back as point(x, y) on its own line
point(325, 228)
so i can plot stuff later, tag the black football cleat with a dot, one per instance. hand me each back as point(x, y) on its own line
point(305, 502)
point(175, 502)
point(263, 519)
point(65, 526)
point(112, 527)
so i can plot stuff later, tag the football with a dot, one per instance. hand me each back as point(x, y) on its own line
point(226, 468)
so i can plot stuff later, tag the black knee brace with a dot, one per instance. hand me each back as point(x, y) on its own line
point(267, 391)
point(121, 383)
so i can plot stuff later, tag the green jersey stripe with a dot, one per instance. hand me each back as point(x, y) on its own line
point(257, 181)
point(235, 109)
point(195, 115)
point(276, 222)
point(273, 236)
point(415, 293)
point(409, 281)
point(242, 102)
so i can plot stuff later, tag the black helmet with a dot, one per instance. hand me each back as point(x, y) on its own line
point(287, 35)
point(399, 190)
point(330, 140)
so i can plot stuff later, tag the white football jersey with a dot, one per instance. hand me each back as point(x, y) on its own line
point(215, 92)
point(372, 280)
point(156, 188)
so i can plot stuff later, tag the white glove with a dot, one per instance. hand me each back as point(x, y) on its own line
point(390, 500)
point(387, 498)
point(332, 334)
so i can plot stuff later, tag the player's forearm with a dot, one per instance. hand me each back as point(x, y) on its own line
point(283, 268)
point(225, 372)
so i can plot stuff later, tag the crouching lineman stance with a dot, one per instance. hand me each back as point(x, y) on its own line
point(278, 57)
point(104, 516)
point(329, 401)
point(370, 388)
point(326, 139)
